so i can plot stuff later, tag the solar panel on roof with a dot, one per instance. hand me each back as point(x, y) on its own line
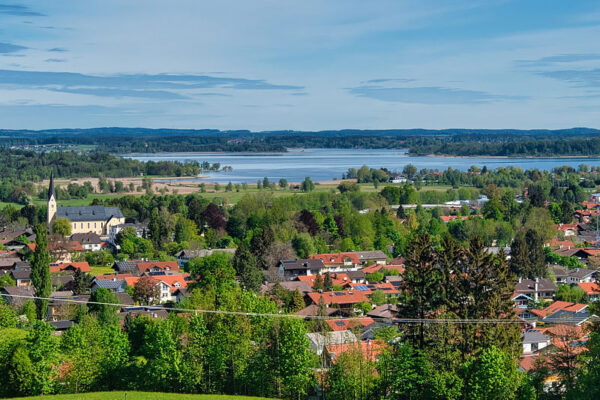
point(340, 293)
point(340, 323)
point(361, 287)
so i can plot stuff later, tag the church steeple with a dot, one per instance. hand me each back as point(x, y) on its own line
point(51, 200)
point(51, 192)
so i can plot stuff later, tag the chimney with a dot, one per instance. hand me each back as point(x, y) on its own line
point(520, 279)
point(536, 287)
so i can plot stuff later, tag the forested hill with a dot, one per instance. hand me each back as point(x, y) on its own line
point(498, 142)
point(580, 147)
point(23, 165)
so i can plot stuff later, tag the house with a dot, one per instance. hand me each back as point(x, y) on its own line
point(521, 300)
point(184, 256)
point(564, 312)
point(370, 349)
point(387, 311)
point(97, 219)
point(592, 289)
point(60, 250)
point(314, 310)
point(338, 262)
point(356, 276)
point(16, 296)
point(337, 279)
point(344, 300)
point(581, 275)
point(538, 288)
point(399, 269)
point(533, 341)
point(167, 285)
point(70, 267)
point(569, 229)
point(8, 262)
point(90, 241)
point(291, 269)
point(567, 317)
point(10, 236)
point(370, 288)
point(140, 231)
point(344, 324)
point(149, 267)
point(141, 267)
point(301, 286)
point(134, 311)
point(318, 341)
point(114, 285)
point(22, 277)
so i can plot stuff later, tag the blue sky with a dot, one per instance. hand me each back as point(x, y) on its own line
point(305, 65)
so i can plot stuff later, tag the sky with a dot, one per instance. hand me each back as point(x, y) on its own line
point(300, 65)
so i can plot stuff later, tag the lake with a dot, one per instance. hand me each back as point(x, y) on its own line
point(327, 164)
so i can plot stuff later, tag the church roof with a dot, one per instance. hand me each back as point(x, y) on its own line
point(88, 213)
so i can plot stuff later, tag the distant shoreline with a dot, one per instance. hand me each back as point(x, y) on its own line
point(505, 157)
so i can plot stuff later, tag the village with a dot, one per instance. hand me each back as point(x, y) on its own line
point(355, 293)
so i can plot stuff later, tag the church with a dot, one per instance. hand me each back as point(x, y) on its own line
point(97, 219)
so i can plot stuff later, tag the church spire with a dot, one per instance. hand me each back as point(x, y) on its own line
point(51, 188)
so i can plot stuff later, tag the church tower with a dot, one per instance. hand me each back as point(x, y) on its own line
point(51, 200)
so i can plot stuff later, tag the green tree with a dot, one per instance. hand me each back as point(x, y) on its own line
point(215, 271)
point(185, 230)
point(307, 185)
point(422, 287)
point(352, 377)
point(61, 226)
point(106, 314)
point(492, 375)
point(40, 271)
point(294, 358)
point(245, 265)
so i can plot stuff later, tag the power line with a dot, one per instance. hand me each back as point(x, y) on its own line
point(272, 315)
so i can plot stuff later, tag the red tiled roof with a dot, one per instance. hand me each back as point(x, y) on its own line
point(562, 244)
point(53, 246)
point(82, 265)
point(170, 280)
point(372, 268)
point(368, 289)
point(563, 305)
point(144, 266)
point(378, 267)
point(527, 363)
point(349, 323)
point(337, 279)
point(336, 258)
point(346, 297)
point(369, 348)
point(590, 288)
point(566, 227)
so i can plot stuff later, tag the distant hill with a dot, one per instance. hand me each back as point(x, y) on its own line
point(148, 132)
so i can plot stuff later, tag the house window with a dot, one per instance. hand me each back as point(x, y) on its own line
point(94, 225)
point(82, 225)
point(74, 226)
point(88, 225)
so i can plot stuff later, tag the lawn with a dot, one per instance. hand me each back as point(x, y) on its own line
point(101, 271)
point(139, 396)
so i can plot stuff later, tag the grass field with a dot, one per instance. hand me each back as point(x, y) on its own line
point(226, 197)
point(139, 396)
